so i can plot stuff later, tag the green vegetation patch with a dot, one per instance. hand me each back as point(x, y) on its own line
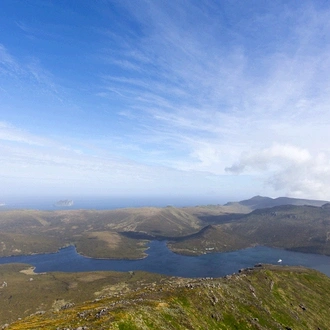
point(270, 297)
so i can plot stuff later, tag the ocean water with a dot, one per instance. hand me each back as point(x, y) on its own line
point(161, 260)
point(103, 203)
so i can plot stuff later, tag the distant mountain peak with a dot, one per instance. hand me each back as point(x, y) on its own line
point(258, 197)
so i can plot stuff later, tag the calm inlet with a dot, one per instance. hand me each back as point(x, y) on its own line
point(161, 260)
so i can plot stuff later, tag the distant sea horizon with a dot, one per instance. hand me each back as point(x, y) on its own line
point(104, 203)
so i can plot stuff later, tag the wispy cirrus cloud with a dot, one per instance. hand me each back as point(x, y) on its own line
point(32, 164)
point(27, 72)
point(222, 98)
point(198, 89)
point(7, 62)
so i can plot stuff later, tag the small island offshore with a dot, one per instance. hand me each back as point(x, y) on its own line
point(64, 202)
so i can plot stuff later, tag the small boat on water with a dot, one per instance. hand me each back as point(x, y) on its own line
point(279, 260)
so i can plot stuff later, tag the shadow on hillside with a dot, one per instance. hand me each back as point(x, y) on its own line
point(221, 219)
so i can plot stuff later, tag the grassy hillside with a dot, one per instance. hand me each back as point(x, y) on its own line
point(298, 228)
point(304, 228)
point(123, 233)
point(213, 238)
point(262, 298)
point(27, 293)
point(95, 233)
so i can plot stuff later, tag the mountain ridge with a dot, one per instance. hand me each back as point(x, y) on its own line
point(258, 202)
point(299, 228)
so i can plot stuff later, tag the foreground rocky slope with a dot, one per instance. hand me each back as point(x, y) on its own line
point(266, 297)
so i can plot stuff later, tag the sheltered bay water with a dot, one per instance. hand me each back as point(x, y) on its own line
point(163, 261)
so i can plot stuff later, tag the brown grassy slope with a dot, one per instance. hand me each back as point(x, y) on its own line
point(216, 210)
point(213, 238)
point(95, 233)
point(218, 214)
point(27, 293)
point(31, 231)
point(110, 245)
point(266, 298)
point(167, 221)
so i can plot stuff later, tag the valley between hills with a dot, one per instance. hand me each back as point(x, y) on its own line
point(263, 297)
point(294, 224)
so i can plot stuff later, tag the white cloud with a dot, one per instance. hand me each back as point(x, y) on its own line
point(290, 169)
point(278, 155)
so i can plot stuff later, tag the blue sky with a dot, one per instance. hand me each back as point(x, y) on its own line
point(207, 99)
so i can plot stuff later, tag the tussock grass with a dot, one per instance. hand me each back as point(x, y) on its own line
point(27, 293)
point(272, 297)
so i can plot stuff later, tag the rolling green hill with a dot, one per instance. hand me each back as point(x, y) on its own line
point(262, 298)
